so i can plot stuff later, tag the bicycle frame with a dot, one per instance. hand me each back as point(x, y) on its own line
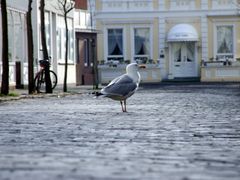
point(39, 79)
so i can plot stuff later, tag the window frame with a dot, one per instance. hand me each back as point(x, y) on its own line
point(146, 57)
point(224, 56)
point(61, 40)
point(108, 57)
point(17, 18)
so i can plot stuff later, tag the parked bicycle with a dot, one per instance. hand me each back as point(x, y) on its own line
point(39, 80)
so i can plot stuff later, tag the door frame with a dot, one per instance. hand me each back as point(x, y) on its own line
point(85, 74)
point(171, 74)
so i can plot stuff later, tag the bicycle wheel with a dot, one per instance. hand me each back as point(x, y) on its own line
point(54, 79)
point(40, 83)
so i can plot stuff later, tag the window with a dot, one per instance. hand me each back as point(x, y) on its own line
point(16, 36)
point(141, 43)
point(48, 32)
point(224, 41)
point(70, 42)
point(86, 52)
point(183, 51)
point(10, 36)
point(61, 40)
point(48, 35)
point(223, 4)
point(190, 48)
point(182, 4)
point(82, 19)
point(115, 44)
point(85, 19)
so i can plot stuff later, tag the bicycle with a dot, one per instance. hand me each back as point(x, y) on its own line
point(39, 80)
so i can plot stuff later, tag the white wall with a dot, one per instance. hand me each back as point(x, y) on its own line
point(54, 12)
point(19, 9)
point(21, 5)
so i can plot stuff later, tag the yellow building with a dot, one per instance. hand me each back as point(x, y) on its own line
point(176, 39)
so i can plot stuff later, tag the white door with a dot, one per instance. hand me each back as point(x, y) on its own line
point(184, 59)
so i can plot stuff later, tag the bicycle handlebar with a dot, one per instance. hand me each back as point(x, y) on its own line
point(44, 63)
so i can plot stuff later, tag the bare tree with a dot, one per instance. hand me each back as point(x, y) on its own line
point(30, 49)
point(65, 6)
point(5, 60)
point(44, 46)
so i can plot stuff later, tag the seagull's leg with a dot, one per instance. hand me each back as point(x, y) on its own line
point(125, 105)
point(122, 106)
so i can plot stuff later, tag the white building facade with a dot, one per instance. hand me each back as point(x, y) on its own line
point(176, 39)
point(55, 38)
point(17, 37)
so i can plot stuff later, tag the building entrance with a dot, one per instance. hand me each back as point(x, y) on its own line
point(85, 58)
point(184, 59)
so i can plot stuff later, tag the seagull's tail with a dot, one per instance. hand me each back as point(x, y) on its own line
point(97, 94)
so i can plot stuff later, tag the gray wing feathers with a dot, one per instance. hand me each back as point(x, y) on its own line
point(120, 86)
point(121, 79)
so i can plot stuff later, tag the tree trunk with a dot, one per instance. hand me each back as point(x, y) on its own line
point(44, 47)
point(30, 49)
point(5, 61)
point(66, 55)
point(95, 70)
point(66, 7)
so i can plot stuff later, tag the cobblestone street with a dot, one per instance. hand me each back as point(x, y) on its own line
point(170, 132)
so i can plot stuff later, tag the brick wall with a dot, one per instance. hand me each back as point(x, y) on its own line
point(81, 4)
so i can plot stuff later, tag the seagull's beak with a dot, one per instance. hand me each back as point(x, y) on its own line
point(141, 66)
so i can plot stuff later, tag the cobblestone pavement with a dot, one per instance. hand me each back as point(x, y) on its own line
point(170, 132)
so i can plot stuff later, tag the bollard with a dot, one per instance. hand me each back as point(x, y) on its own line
point(19, 85)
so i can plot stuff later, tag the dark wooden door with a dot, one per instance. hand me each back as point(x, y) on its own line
point(84, 61)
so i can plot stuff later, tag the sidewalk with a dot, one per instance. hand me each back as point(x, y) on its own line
point(16, 94)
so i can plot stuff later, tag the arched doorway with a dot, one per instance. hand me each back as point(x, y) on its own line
point(183, 62)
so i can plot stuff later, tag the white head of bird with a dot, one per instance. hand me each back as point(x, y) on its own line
point(132, 71)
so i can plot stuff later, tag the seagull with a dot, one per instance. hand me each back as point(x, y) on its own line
point(124, 86)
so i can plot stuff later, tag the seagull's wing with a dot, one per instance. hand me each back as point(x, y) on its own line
point(120, 86)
